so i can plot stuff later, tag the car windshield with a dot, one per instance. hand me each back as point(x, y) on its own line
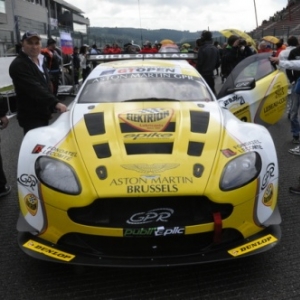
point(144, 87)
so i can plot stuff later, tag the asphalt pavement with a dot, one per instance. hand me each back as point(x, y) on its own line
point(270, 275)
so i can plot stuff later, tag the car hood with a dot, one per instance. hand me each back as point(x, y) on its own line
point(148, 147)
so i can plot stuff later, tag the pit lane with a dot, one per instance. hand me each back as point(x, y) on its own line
point(269, 275)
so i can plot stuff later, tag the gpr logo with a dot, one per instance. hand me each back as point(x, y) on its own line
point(151, 216)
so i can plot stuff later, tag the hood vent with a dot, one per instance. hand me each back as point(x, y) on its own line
point(102, 150)
point(126, 128)
point(145, 148)
point(95, 123)
point(199, 121)
point(195, 148)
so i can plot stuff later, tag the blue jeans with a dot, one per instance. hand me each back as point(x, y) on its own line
point(294, 109)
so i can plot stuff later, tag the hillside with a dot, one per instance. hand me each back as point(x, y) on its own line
point(139, 36)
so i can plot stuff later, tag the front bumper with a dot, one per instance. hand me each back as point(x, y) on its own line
point(41, 249)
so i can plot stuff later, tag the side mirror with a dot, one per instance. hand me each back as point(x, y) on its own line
point(244, 84)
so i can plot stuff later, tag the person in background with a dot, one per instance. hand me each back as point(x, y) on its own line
point(4, 187)
point(236, 50)
point(129, 49)
point(35, 100)
point(262, 47)
point(76, 65)
point(279, 47)
point(53, 62)
point(293, 63)
point(208, 58)
point(85, 68)
point(217, 45)
point(94, 51)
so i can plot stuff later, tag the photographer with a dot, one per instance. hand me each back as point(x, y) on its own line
point(236, 50)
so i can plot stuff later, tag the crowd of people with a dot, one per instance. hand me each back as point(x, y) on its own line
point(36, 69)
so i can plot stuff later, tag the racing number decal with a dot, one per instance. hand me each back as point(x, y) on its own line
point(242, 112)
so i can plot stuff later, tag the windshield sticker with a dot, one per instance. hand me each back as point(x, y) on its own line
point(141, 70)
point(142, 75)
point(150, 119)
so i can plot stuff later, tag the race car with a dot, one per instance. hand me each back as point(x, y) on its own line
point(148, 168)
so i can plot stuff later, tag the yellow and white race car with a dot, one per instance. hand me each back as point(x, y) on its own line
point(148, 168)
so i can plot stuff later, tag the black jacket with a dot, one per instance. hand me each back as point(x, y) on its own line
point(231, 57)
point(294, 54)
point(208, 59)
point(34, 97)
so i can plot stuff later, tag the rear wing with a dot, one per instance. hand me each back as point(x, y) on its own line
point(110, 57)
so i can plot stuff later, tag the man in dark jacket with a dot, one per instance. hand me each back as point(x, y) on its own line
point(237, 49)
point(35, 100)
point(4, 187)
point(208, 58)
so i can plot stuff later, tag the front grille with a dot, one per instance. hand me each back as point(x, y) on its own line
point(143, 247)
point(133, 212)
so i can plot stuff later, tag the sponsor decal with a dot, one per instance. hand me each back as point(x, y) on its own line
point(267, 199)
point(236, 99)
point(37, 149)
point(228, 152)
point(153, 135)
point(49, 251)
point(141, 55)
point(150, 169)
point(268, 174)
point(252, 246)
point(150, 184)
point(274, 106)
point(248, 146)
point(151, 216)
point(31, 203)
point(152, 119)
point(138, 70)
point(28, 180)
point(155, 231)
point(59, 153)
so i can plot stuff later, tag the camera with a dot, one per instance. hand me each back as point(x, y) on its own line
point(242, 42)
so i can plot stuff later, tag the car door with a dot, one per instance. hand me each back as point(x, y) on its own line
point(255, 91)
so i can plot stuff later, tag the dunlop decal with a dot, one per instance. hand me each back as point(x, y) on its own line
point(49, 251)
point(151, 119)
point(252, 246)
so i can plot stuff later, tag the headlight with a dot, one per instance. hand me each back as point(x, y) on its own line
point(240, 171)
point(57, 175)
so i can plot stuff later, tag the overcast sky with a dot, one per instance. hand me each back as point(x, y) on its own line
point(191, 15)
